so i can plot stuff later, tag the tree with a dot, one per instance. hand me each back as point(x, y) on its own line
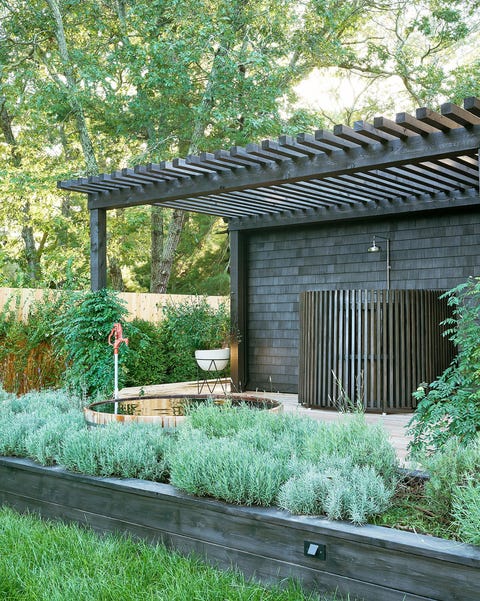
point(101, 84)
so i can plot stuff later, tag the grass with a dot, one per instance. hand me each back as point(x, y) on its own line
point(51, 561)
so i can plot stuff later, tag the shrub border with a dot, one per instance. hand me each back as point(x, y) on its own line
point(371, 562)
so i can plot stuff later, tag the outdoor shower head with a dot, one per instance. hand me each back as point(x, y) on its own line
point(374, 248)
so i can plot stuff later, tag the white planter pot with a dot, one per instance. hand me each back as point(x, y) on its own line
point(213, 360)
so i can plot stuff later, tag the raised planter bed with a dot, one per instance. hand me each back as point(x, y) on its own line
point(368, 562)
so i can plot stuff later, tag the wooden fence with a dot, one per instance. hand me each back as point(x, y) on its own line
point(141, 305)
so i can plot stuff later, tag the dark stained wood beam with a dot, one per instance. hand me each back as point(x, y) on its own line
point(472, 104)
point(98, 249)
point(388, 208)
point(459, 115)
point(238, 309)
point(437, 120)
point(414, 149)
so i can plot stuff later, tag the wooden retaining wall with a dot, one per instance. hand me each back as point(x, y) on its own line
point(370, 346)
point(369, 562)
point(143, 305)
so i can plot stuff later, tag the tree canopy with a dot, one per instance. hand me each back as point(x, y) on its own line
point(88, 86)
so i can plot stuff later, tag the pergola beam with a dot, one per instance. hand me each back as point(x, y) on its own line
point(413, 150)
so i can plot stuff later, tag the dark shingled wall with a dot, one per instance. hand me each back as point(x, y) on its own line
point(428, 251)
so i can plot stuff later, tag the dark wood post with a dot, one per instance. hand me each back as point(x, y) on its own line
point(238, 308)
point(98, 248)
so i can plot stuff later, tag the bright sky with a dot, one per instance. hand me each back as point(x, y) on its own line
point(322, 91)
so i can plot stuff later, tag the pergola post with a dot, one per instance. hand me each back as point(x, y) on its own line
point(98, 249)
point(238, 308)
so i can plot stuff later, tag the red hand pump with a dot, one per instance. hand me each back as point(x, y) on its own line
point(118, 334)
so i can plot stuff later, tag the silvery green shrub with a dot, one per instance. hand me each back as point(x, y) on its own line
point(466, 511)
point(46, 402)
point(22, 417)
point(14, 430)
point(116, 450)
point(451, 467)
point(226, 469)
point(338, 491)
point(364, 444)
point(43, 444)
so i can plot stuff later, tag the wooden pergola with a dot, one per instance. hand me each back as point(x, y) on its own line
point(415, 163)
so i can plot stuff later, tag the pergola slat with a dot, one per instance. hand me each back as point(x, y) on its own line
point(207, 160)
point(441, 122)
point(294, 144)
point(393, 128)
point(444, 174)
point(397, 182)
point(461, 116)
point(167, 168)
point(336, 141)
point(324, 197)
point(273, 197)
point(370, 131)
point(260, 151)
point(417, 176)
point(472, 105)
point(190, 167)
point(347, 133)
point(457, 167)
point(238, 153)
point(283, 151)
point(152, 175)
point(386, 189)
point(413, 157)
point(415, 125)
point(158, 168)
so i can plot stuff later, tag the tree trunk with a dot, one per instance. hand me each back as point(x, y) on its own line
point(116, 277)
point(174, 232)
point(156, 230)
point(32, 256)
point(33, 266)
point(71, 86)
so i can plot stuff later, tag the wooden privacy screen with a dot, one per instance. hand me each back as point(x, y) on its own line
point(372, 347)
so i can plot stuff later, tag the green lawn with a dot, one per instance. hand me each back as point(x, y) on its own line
point(44, 561)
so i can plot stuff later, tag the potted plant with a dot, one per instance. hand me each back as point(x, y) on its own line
point(213, 341)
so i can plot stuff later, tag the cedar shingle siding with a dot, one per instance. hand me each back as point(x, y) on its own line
point(427, 252)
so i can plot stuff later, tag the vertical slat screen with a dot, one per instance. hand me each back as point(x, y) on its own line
point(372, 347)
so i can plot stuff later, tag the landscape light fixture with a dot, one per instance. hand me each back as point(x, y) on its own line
point(375, 249)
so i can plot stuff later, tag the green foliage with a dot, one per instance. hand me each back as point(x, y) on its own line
point(145, 361)
point(252, 457)
point(34, 416)
point(83, 331)
point(29, 358)
point(410, 511)
point(159, 79)
point(43, 442)
point(466, 512)
point(64, 341)
point(14, 429)
point(187, 327)
point(452, 405)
